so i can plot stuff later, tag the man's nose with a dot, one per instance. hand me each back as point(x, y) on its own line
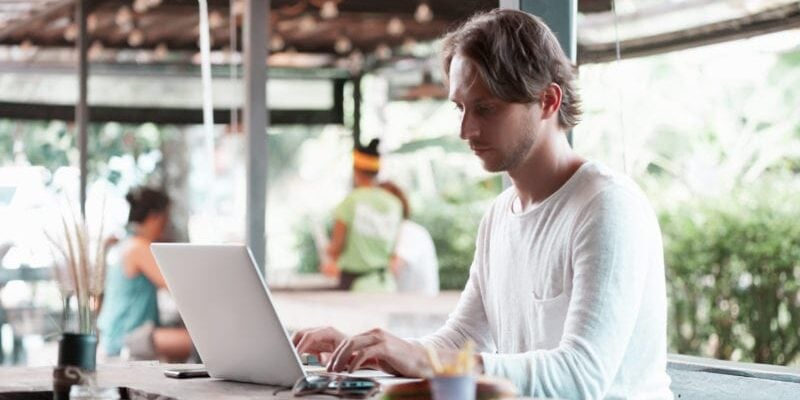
point(469, 127)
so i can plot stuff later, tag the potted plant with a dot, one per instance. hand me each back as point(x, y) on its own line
point(80, 271)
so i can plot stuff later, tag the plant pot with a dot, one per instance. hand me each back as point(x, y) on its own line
point(77, 356)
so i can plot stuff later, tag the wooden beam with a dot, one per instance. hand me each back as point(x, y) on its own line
point(24, 24)
point(176, 116)
point(773, 20)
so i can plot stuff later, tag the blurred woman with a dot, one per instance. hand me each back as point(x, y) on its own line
point(414, 263)
point(129, 315)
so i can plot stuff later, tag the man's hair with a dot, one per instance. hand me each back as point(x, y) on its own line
point(517, 57)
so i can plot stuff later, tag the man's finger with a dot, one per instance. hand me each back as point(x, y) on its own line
point(366, 354)
point(345, 351)
point(297, 336)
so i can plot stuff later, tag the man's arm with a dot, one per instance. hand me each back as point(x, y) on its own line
point(330, 266)
point(338, 239)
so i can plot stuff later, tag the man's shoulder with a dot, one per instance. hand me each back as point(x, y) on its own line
point(598, 182)
point(605, 193)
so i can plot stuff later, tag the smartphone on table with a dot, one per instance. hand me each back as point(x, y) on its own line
point(186, 373)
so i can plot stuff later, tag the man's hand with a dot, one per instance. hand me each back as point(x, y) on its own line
point(380, 349)
point(317, 341)
point(330, 269)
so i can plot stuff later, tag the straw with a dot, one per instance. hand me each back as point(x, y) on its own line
point(434, 359)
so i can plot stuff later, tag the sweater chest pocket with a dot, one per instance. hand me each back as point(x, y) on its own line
point(549, 316)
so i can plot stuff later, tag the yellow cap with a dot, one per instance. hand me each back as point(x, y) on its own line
point(366, 162)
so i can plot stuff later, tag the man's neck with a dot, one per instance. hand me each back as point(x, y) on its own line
point(549, 166)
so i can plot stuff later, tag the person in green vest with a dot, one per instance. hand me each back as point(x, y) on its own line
point(366, 224)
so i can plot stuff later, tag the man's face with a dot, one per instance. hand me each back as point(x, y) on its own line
point(500, 133)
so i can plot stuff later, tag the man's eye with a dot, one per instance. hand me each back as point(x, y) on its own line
point(458, 107)
point(483, 110)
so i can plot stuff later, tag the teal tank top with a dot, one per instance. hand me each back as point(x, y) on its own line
point(127, 304)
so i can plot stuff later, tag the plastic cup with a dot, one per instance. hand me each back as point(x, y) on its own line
point(81, 392)
point(456, 387)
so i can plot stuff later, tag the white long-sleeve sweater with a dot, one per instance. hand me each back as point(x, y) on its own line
point(568, 299)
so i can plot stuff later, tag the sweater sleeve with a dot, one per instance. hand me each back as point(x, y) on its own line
point(613, 246)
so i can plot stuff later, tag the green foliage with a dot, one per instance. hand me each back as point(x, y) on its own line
point(733, 267)
point(452, 221)
point(52, 144)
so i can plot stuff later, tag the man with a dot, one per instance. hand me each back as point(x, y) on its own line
point(566, 295)
point(365, 230)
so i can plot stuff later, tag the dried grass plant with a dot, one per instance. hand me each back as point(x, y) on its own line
point(83, 271)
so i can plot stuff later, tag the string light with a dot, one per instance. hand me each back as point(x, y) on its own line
point(276, 43)
point(161, 51)
point(395, 27)
point(124, 18)
point(71, 33)
point(408, 45)
point(307, 23)
point(329, 10)
point(140, 6)
point(95, 50)
point(215, 19)
point(424, 13)
point(342, 45)
point(383, 52)
point(91, 22)
point(135, 38)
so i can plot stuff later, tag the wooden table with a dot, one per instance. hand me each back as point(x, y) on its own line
point(147, 380)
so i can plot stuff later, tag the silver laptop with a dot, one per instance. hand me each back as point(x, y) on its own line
point(227, 309)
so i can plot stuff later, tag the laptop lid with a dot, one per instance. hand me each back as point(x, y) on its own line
point(228, 312)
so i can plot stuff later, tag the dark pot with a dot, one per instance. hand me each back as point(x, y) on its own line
point(77, 355)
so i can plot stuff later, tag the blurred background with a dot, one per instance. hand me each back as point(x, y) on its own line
point(697, 100)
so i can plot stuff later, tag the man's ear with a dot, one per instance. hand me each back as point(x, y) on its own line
point(551, 100)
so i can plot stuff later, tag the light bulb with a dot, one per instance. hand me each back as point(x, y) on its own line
point(329, 10)
point(124, 17)
point(342, 45)
point(276, 43)
point(423, 13)
point(395, 27)
point(140, 6)
point(215, 19)
point(408, 45)
point(161, 51)
point(71, 32)
point(91, 22)
point(95, 50)
point(383, 52)
point(307, 23)
point(135, 38)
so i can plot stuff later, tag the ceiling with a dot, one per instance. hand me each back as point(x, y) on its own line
point(310, 27)
point(312, 33)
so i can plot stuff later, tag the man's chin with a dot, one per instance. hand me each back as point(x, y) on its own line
point(492, 166)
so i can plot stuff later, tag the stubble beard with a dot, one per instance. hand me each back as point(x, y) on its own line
point(517, 154)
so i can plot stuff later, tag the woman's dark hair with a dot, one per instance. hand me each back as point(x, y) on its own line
point(145, 201)
point(390, 187)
